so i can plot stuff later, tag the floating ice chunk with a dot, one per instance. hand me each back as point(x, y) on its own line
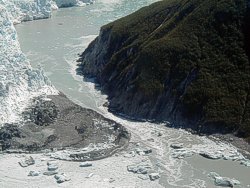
point(27, 162)
point(211, 155)
point(245, 162)
point(130, 154)
point(154, 176)
point(54, 5)
point(90, 175)
point(176, 145)
point(223, 181)
point(34, 173)
point(50, 173)
point(182, 153)
point(143, 177)
point(60, 178)
point(85, 164)
point(143, 151)
point(139, 169)
point(52, 165)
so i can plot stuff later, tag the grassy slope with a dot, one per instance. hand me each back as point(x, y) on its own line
point(203, 40)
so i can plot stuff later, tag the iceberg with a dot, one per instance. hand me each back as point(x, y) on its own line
point(223, 181)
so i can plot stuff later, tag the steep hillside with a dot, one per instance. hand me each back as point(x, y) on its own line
point(186, 61)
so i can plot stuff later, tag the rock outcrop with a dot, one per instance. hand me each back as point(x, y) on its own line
point(182, 61)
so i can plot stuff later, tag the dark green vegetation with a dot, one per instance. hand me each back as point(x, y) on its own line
point(186, 61)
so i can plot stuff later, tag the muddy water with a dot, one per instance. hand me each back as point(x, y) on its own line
point(54, 44)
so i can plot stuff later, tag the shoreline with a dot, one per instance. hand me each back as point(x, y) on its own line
point(242, 146)
point(59, 124)
point(229, 138)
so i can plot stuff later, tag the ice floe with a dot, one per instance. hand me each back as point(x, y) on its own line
point(223, 181)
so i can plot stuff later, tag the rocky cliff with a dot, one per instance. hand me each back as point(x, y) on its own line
point(178, 60)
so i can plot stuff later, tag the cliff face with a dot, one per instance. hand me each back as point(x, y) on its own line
point(178, 60)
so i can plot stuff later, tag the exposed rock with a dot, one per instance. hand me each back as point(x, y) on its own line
point(27, 162)
point(43, 112)
point(146, 77)
point(154, 176)
point(68, 125)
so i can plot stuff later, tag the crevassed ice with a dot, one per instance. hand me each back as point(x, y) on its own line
point(19, 83)
point(68, 3)
point(27, 10)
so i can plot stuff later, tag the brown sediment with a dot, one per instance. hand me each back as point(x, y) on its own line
point(58, 124)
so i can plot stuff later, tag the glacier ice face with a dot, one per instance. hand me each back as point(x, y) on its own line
point(70, 3)
point(27, 10)
point(19, 83)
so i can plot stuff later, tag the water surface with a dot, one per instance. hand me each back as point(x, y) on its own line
point(55, 44)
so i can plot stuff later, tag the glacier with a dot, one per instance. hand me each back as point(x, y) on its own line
point(19, 83)
point(28, 10)
point(69, 3)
